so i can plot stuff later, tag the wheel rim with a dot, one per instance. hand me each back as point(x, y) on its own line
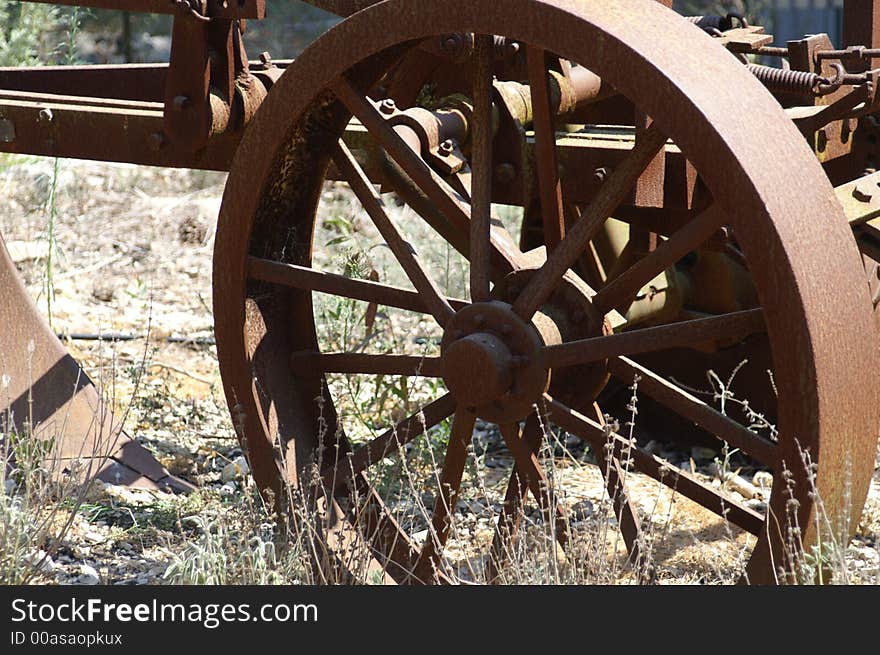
point(821, 342)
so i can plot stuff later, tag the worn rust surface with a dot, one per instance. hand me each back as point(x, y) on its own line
point(787, 228)
point(683, 148)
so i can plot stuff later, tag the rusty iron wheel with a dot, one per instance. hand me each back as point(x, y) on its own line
point(503, 349)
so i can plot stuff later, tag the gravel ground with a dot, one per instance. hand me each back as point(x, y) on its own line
point(134, 249)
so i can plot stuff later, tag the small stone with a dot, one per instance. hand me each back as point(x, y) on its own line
point(701, 454)
point(237, 468)
point(582, 510)
point(103, 291)
point(756, 504)
point(572, 440)
point(88, 575)
point(41, 560)
point(763, 480)
point(228, 489)
point(740, 485)
point(81, 552)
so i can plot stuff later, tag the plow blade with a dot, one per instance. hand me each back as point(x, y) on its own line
point(46, 397)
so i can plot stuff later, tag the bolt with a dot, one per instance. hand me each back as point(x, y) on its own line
point(862, 192)
point(600, 175)
point(447, 147)
point(180, 103)
point(265, 59)
point(157, 141)
point(452, 44)
point(505, 173)
point(45, 115)
point(388, 106)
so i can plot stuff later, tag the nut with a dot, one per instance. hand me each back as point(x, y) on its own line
point(447, 147)
point(388, 106)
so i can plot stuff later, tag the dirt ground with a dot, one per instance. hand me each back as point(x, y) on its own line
point(134, 257)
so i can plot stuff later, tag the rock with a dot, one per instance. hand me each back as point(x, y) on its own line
point(739, 484)
point(23, 251)
point(701, 454)
point(756, 504)
point(88, 575)
point(735, 482)
point(103, 291)
point(582, 510)
point(237, 468)
point(228, 489)
point(763, 480)
point(192, 231)
point(42, 561)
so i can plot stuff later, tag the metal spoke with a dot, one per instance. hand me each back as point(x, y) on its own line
point(695, 410)
point(611, 194)
point(402, 249)
point(427, 565)
point(507, 528)
point(619, 291)
point(549, 184)
point(366, 364)
point(530, 468)
point(625, 510)
point(735, 325)
point(308, 279)
point(684, 483)
point(506, 257)
point(482, 170)
point(338, 472)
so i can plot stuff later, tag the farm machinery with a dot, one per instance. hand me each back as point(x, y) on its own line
point(686, 196)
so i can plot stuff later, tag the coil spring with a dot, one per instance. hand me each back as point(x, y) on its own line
point(781, 80)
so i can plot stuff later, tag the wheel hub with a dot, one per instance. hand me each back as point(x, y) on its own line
point(573, 316)
point(492, 360)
